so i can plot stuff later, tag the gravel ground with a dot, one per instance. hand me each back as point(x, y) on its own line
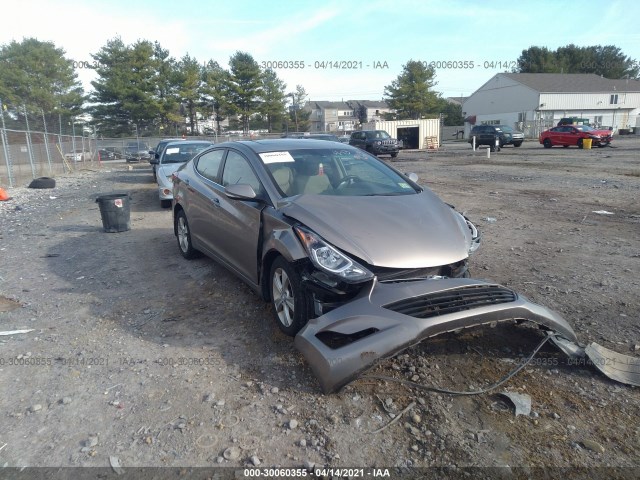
point(138, 354)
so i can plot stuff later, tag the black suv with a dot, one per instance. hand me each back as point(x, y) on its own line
point(377, 142)
point(486, 135)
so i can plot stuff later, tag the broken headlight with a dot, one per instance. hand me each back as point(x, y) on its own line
point(327, 258)
point(475, 236)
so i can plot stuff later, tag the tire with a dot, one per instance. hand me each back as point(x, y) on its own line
point(183, 234)
point(394, 155)
point(517, 144)
point(43, 182)
point(580, 145)
point(289, 301)
point(165, 203)
point(547, 143)
point(565, 146)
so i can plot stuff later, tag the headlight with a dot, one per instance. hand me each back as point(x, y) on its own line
point(475, 236)
point(329, 259)
point(378, 142)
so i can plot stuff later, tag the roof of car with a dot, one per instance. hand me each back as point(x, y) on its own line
point(276, 144)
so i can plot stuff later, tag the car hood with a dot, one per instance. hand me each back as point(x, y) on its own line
point(403, 231)
point(600, 133)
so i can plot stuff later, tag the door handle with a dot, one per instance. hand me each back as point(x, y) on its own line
point(216, 201)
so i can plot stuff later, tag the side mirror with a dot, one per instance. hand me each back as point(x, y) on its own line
point(154, 161)
point(413, 177)
point(240, 191)
point(152, 152)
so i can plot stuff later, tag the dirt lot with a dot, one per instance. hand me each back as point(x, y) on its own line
point(139, 354)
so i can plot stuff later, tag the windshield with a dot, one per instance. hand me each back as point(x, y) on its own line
point(182, 152)
point(584, 128)
point(505, 129)
point(380, 134)
point(333, 171)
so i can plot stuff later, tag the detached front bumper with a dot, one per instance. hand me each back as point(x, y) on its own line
point(391, 317)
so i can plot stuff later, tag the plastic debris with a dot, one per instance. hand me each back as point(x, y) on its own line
point(521, 401)
point(14, 332)
point(115, 465)
point(602, 212)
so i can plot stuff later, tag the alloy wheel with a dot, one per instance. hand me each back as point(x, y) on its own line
point(283, 297)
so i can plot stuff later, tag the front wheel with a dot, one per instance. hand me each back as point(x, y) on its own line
point(547, 143)
point(394, 155)
point(580, 145)
point(183, 234)
point(517, 144)
point(288, 299)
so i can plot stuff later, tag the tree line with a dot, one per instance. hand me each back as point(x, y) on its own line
point(141, 87)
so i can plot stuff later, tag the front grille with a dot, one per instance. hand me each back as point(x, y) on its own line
point(452, 301)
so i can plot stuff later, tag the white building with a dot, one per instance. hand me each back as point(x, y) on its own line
point(421, 134)
point(534, 102)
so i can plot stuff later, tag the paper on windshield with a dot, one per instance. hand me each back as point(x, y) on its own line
point(276, 157)
point(172, 150)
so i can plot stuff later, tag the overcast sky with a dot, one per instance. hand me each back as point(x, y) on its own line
point(383, 33)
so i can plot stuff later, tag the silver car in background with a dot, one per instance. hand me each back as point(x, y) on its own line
point(357, 260)
point(172, 157)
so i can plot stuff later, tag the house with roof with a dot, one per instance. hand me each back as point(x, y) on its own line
point(534, 102)
point(345, 117)
point(370, 110)
point(335, 117)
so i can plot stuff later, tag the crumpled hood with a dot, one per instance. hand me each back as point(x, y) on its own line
point(403, 231)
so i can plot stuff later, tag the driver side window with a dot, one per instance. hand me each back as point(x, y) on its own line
point(237, 170)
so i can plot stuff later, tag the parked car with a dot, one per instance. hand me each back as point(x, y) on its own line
point(573, 135)
point(157, 152)
point(323, 136)
point(339, 235)
point(487, 134)
point(344, 138)
point(377, 142)
point(174, 155)
point(78, 155)
point(109, 153)
point(312, 136)
point(137, 151)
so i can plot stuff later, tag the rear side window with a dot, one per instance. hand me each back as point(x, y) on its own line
point(209, 165)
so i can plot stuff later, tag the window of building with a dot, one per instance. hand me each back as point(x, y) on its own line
point(613, 100)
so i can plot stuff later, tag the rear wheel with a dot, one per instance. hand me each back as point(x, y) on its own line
point(517, 144)
point(165, 203)
point(183, 233)
point(394, 155)
point(547, 143)
point(288, 299)
point(565, 146)
point(580, 143)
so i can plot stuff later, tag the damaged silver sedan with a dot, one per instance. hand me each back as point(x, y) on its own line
point(357, 259)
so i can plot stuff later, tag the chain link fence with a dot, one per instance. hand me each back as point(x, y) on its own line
point(36, 145)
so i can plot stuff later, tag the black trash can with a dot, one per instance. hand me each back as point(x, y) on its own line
point(115, 211)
